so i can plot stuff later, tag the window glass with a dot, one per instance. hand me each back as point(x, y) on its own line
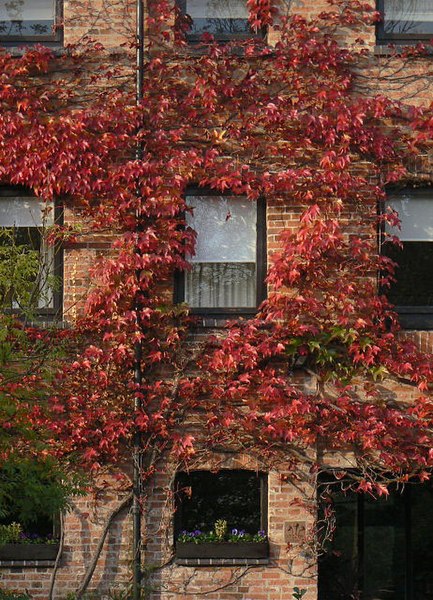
point(414, 285)
point(203, 497)
point(224, 19)
point(219, 17)
point(223, 270)
point(407, 19)
point(382, 548)
point(421, 541)
point(27, 18)
point(26, 260)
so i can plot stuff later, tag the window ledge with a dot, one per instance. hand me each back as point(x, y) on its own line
point(27, 563)
point(416, 318)
point(18, 51)
point(202, 319)
point(221, 562)
point(382, 49)
point(214, 322)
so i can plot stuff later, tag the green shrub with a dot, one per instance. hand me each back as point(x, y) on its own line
point(9, 595)
point(10, 534)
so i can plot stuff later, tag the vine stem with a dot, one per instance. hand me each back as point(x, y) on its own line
point(92, 566)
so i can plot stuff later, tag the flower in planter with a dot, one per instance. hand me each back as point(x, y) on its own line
point(10, 534)
point(220, 529)
point(221, 534)
point(14, 534)
point(34, 538)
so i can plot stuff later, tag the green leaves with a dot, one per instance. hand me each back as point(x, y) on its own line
point(298, 594)
point(32, 489)
point(19, 269)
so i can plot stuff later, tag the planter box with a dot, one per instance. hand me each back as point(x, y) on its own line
point(222, 550)
point(28, 551)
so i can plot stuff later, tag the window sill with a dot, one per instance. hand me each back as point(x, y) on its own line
point(28, 555)
point(225, 39)
point(19, 50)
point(383, 48)
point(28, 564)
point(416, 317)
point(221, 562)
point(218, 551)
point(217, 321)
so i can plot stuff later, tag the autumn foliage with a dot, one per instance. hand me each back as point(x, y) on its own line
point(288, 123)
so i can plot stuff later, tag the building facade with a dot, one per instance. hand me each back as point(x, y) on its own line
point(383, 548)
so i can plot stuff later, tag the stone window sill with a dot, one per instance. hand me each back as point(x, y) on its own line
point(26, 563)
point(221, 562)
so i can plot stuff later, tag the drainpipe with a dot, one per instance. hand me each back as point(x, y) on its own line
point(138, 375)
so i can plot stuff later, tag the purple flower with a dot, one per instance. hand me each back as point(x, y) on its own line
point(235, 532)
point(262, 533)
point(242, 533)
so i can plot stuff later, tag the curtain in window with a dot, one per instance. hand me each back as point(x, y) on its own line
point(27, 17)
point(224, 266)
point(409, 10)
point(218, 16)
point(221, 285)
point(408, 16)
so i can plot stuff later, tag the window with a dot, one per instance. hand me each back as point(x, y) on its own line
point(34, 21)
point(382, 549)
point(228, 268)
point(30, 269)
point(224, 19)
point(412, 292)
point(32, 495)
point(237, 499)
point(404, 21)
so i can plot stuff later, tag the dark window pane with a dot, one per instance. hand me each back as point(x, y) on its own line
point(338, 567)
point(28, 236)
point(422, 541)
point(384, 569)
point(203, 497)
point(382, 548)
point(414, 285)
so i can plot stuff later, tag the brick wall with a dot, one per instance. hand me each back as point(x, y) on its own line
point(290, 562)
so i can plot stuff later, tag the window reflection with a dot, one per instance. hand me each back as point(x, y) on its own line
point(27, 18)
point(382, 549)
point(221, 18)
point(405, 19)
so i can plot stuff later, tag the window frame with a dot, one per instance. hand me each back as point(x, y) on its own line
point(195, 38)
point(54, 312)
point(262, 477)
point(360, 565)
point(396, 38)
point(261, 264)
point(55, 38)
point(412, 317)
